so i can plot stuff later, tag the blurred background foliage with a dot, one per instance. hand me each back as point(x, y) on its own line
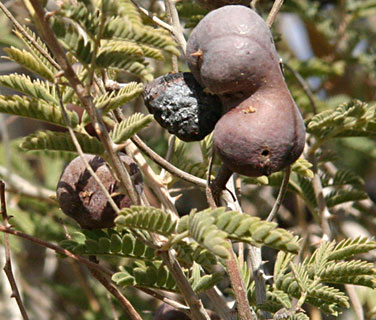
point(328, 45)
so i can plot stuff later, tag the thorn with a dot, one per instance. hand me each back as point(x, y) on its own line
point(267, 277)
point(50, 14)
point(198, 53)
point(114, 194)
point(178, 197)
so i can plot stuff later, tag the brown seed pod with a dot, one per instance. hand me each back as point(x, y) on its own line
point(232, 51)
point(81, 198)
point(263, 134)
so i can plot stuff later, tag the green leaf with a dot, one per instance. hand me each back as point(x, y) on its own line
point(72, 39)
point(319, 258)
point(146, 218)
point(35, 109)
point(275, 300)
point(242, 227)
point(354, 118)
point(123, 28)
point(61, 141)
point(116, 243)
point(129, 127)
point(340, 196)
point(301, 276)
point(327, 298)
point(109, 102)
point(150, 52)
point(355, 272)
point(104, 245)
point(34, 88)
point(123, 279)
point(34, 51)
point(180, 160)
point(146, 274)
point(202, 229)
point(302, 167)
point(282, 263)
point(348, 248)
point(30, 62)
point(187, 253)
point(207, 281)
point(111, 244)
point(116, 59)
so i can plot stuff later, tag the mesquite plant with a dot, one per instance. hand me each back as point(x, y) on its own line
point(206, 179)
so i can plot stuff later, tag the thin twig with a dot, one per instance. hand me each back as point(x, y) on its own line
point(132, 313)
point(198, 311)
point(177, 305)
point(254, 4)
point(219, 304)
point(273, 12)
point(223, 182)
point(304, 85)
point(6, 142)
point(152, 179)
point(174, 59)
point(237, 284)
point(28, 37)
point(254, 257)
point(170, 152)
point(113, 310)
point(354, 298)
point(158, 21)
point(8, 263)
point(56, 248)
point(167, 165)
point(97, 42)
point(93, 302)
point(177, 30)
point(324, 213)
point(281, 194)
point(19, 185)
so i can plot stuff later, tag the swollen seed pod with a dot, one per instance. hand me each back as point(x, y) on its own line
point(232, 51)
point(263, 134)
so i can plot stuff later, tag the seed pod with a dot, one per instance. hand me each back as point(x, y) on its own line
point(231, 51)
point(263, 134)
point(180, 105)
point(81, 198)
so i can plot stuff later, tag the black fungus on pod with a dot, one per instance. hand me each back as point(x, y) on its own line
point(180, 105)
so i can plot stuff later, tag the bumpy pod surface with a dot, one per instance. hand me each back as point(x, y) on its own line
point(181, 106)
point(262, 135)
point(81, 198)
point(232, 50)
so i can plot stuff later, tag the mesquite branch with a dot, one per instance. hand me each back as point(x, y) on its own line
point(8, 263)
